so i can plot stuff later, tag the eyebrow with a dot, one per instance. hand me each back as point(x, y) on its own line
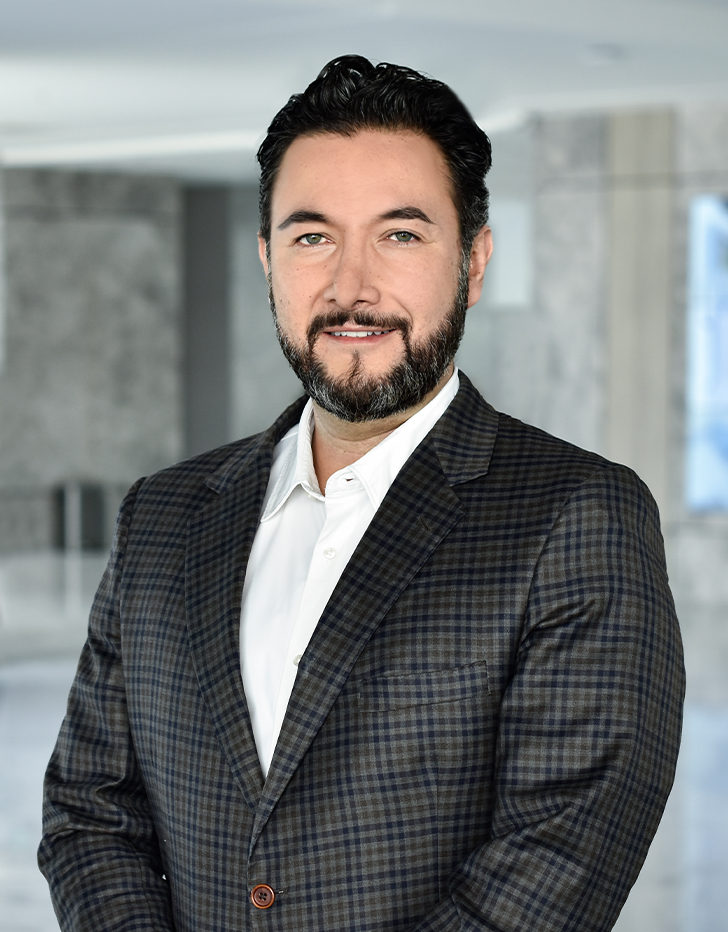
point(303, 216)
point(408, 212)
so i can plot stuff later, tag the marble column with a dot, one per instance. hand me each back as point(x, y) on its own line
point(90, 390)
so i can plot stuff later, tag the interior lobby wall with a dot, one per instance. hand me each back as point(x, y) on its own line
point(544, 359)
point(206, 316)
point(641, 234)
point(261, 381)
point(90, 386)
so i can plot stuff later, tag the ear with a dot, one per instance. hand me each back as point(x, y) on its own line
point(479, 258)
point(263, 253)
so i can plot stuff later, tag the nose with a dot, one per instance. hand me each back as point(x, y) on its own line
point(352, 285)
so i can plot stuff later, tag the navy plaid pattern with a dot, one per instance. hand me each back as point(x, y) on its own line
point(481, 736)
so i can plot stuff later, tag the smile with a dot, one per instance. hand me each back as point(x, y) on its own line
point(359, 333)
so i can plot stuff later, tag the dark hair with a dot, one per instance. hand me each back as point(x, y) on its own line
point(352, 94)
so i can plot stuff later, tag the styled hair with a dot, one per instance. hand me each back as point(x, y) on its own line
point(352, 94)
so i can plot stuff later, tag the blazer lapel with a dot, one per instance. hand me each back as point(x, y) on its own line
point(418, 511)
point(219, 538)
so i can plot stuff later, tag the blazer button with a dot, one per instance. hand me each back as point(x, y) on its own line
point(262, 896)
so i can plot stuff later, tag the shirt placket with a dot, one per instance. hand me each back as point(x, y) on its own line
point(334, 546)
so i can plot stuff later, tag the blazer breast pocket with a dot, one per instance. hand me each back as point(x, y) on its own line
point(398, 691)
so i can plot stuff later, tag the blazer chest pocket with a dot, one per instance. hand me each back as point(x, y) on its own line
point(431, 687)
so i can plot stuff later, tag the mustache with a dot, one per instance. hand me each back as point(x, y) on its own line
point(361, 318)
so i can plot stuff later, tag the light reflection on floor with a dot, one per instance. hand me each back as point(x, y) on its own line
point(705, 853)
point(44, 604)
point(32, 703)
point(44, 600)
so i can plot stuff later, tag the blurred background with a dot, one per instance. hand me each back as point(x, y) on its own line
point(134, 326)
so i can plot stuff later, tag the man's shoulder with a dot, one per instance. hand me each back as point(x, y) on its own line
point(184, 485)
point(474, 424)
point(525, 460)
point(189, 473)
point(540, 465)
point(522, 445)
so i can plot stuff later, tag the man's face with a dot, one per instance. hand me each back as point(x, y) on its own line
point(367, 277)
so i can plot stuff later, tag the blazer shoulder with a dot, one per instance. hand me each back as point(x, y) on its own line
point(541, 464)
point(523, 442)
point(183, 487)
point(516, 461)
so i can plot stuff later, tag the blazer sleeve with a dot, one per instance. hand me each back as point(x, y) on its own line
point(589, 726)
point(99, 850)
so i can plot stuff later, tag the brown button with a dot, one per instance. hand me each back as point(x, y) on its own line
point(262, 896)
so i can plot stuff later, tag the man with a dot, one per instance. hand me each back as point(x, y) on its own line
point(400, 662)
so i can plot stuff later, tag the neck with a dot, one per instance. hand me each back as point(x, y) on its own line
point(337, 443)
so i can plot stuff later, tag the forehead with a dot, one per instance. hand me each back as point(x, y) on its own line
point(369, 168)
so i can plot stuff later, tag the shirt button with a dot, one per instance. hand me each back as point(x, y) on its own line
point(262, 896)
point(297, 659)
point(329, 553)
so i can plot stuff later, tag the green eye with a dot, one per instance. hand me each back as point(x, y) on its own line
point(404, 236)
point(313, 239)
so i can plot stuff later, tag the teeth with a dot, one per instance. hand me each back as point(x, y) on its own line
point(358, 333)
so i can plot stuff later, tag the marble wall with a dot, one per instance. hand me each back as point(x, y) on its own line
point(90, 387)
point(545, 362)
point(639, 313)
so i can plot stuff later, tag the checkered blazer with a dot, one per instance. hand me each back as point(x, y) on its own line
point(481, 736)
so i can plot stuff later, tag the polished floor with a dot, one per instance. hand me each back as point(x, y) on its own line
point(44, 600)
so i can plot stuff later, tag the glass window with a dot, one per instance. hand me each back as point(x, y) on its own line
point(509, 279)
point(707, 355)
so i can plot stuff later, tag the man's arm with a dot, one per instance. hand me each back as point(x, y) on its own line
point(589, 726)
point(99, 851)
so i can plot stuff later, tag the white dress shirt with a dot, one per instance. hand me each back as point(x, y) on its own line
point(300, 550)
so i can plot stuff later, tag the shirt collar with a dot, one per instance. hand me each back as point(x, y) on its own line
point(292, 466)
point(376, 470)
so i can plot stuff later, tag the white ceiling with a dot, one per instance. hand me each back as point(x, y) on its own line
point(188, 86)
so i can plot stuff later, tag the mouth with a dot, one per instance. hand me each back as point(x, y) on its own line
point(360, 328)
point(358, 334)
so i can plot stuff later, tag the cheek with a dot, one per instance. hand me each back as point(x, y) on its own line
point(294, 308)
point(430, 297)
point(296, 286)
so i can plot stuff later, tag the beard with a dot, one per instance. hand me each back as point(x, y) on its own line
point(356, 396)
